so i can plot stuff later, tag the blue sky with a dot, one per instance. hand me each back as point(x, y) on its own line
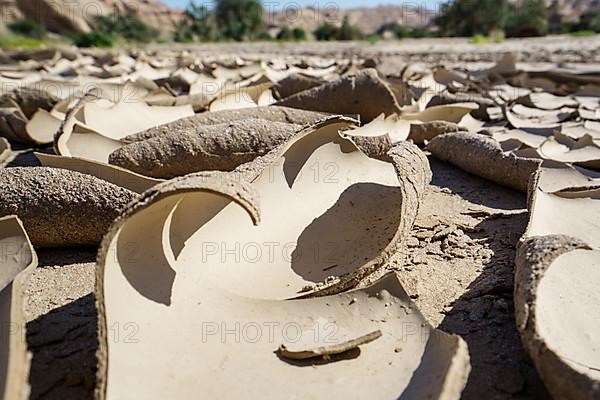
point(322, 3)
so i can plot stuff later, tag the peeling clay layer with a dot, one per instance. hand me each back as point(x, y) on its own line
point(192, 124)
point(18, 108)
point(220, 147)
point(556, 277)
point(30, 99)
point(61, 208)
point(483, 156)
point(16, 266)
point(6, 153)
point(215, 207)
point(118, 176)
point(364, 94)
point(173, 219)
point(421, 133)
point(293, 84)
point(536, 310)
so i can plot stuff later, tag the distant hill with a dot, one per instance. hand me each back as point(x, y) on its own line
point(77, 16)
point(368, 19)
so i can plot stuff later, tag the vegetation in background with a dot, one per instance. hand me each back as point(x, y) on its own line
point(299, 34)
point(480, 17)
point(527, 19)
point(199, 25)
point(28, 28)
point(238, 20)
point(419, 33)
point(374, 38)
point(287, 34)
point(401, 32)
point(346, 31)
point(24, 33)
point(265, 36)
point(471, 17)
point(93, 39)
point(126, 26)
point(12, 41)
point(113, 28)
point(583, 33)
point(590, 21)
point(480, 39)
point(326, 31)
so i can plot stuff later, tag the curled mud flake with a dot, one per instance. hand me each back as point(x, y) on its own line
point(198, 121)
point(174, 221)
point(116, 175)
point(483, 156)
point(221, 147)
point(299, 352)
point(61, 208)
point(364, 94)
point(6, 153)
point(17, 264)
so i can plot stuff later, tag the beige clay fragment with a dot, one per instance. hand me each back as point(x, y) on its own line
point(17, 261)
point(221, 147)
point(75, 139)
point(193, 123)
point(61, 208)
point(303, 351)
point(393, 126)
point(176, 280)
point(448, 112)
point(557, 276)
point(575, 210)
point(13, 123)
point(311, 166)
point(118, 120)
point(483, 156)
point(593, 115)
point(243, 97)
point(584, 152)
point(527, 137)
point(31, 99)
point(111, 173)
point(38, 130)
point(363, 93)
point(378, 136)
point(422, 132)
point(548, 101)
point(556, 303)
point(564, 176)
point(294, 83)
point(522, 117)
point(42, 127)
point(6, 153)
point(93, 128)
point(437, 120)
point(355, 191)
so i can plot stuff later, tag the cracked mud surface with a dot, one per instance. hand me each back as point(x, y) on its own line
point(457, 266)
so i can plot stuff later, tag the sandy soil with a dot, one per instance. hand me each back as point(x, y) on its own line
point(457, 266)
